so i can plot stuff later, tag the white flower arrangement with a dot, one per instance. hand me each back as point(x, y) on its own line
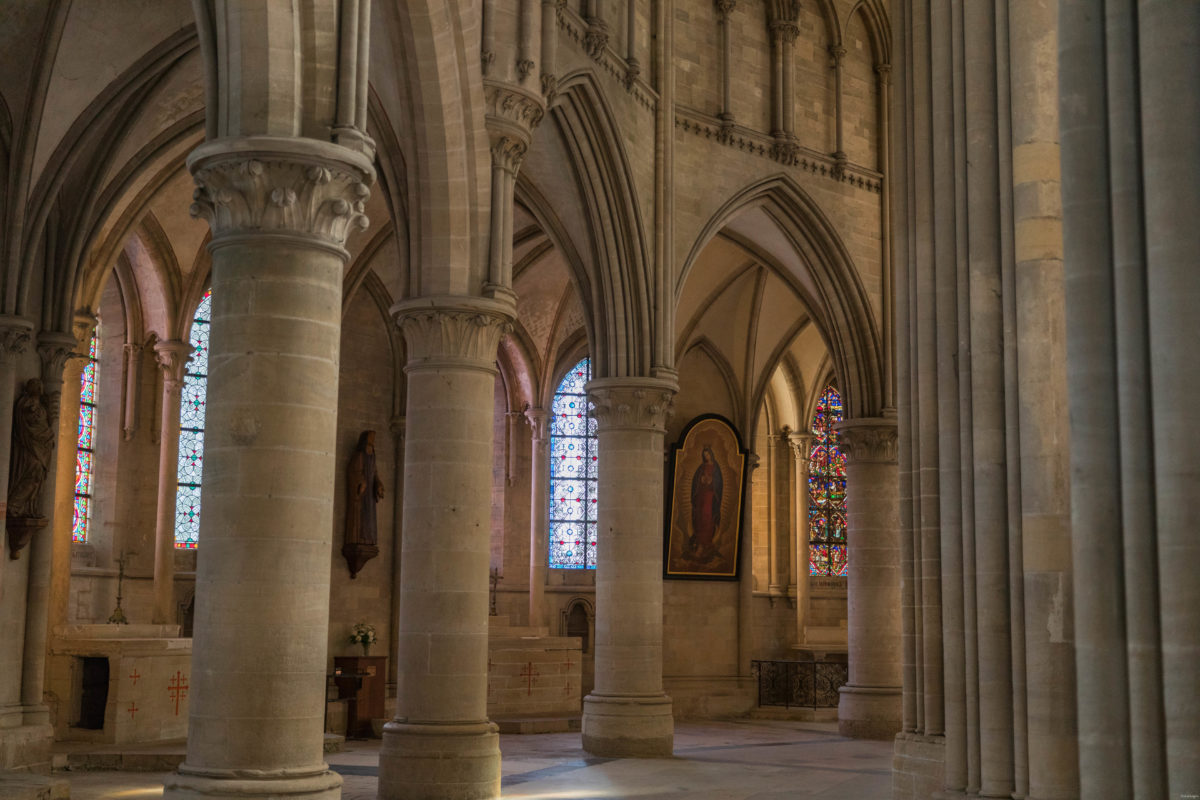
point(364, 633)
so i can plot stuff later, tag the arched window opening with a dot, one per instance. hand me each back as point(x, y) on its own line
point(827, 490)
point(573, 461)
point(86, 441)
point(191, 430)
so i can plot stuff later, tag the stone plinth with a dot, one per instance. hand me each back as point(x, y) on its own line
point(149, 671)
point(532, 675)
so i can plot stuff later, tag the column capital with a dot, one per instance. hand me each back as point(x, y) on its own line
point(512, 115)
point(539, 423)
point(452, 331)
point(801, 444)
point(870, 439)
point(55, 349)
point(15, 335)
point(302, 189)
point(172, 357)
point(725, 8)
point(784, 30)
point(632, 403)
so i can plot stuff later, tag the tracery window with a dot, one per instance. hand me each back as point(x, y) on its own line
point(827, 490)
point(86, 441)
point(191, 430)
point(573, 461)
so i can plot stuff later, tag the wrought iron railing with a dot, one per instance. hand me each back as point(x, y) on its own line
point(799, 684)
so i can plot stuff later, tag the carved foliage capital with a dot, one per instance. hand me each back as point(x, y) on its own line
point(725, 7)
point(638, 403)
point(465, 333)
point(539, 423)
point(172, 356)
point(512, 115)
point(243, 191)
point(869, 440)
point(784, 30)
point(16, 333)
point(595, 39)
point(801, 444)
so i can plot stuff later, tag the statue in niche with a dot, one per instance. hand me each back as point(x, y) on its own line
point(363, 491)
point(32, 444)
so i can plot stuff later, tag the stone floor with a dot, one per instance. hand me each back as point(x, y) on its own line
point(744, 760)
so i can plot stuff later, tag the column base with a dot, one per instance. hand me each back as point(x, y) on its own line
point(25, 746)
point(869, 712)
point(439, 762)
point(625, 726)
point(206, 784)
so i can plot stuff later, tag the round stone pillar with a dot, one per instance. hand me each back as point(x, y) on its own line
point(172, 356)
point(441, 745)
point(628, 714)
point(869, 706)
point(801, 444)
point(280, 210)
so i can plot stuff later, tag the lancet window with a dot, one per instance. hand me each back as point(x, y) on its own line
point(827, 490)
point(86, 441)
point(573, 462)
point(191, 430)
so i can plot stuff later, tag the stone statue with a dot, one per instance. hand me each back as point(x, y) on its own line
point(33, 441)
point(363, 491)
point(32, 444)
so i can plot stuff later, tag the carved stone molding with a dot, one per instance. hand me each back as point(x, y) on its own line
point(172, 357)
point(300, 187)
point(632, 403)
point(452, 331)
point(539, 424)
point(16, 333)
point(868, 440)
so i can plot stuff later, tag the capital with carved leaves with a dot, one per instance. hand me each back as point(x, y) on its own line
point(300, 189)
point(513, 113)
point(868, 440)
point(452, 331)
point(172, 357)
point(16, 334)
point(539, 423)
point(632, 403)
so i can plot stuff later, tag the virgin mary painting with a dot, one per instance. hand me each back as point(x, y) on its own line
point(704, 517)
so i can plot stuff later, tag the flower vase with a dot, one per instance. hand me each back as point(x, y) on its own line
point(366, 646)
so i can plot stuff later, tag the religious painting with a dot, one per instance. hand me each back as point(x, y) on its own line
point(704, 509)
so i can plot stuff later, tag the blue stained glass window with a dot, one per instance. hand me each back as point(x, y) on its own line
point(191, 430)
point(86, 440)
point(573, 462)
point(827, 490)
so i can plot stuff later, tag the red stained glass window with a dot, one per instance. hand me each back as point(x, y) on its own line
point(827, 490)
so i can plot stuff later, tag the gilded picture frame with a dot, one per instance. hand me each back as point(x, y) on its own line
point(706, 490)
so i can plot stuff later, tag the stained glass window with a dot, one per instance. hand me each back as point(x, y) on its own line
point(827, 490)
point(191, 430)
point(573, 464)
point(86, 441)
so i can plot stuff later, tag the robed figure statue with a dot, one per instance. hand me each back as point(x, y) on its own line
point(32, 444)
point(707, 491)
point(363, 491)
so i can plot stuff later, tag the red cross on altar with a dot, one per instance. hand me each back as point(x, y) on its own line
point(567, 688)
point(568, 663)
point(133, 676)
point(529, 673)
point(133, 709)
point(177, 689)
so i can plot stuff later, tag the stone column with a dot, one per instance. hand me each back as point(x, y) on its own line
point(441, 744)
point(172, 356)
point(869, 707)
point(64, 495)
point(775, 559)
point(15, 336)
point(746, 577)
point(801, 444)
point(396, 427)
point(539, 514)
point(280, 210)
point(628, 714)
point(54, 349)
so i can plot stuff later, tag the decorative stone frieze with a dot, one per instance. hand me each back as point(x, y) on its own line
point(632, 403)
point(300, 187)
point(872, 439)
point(462, 331)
